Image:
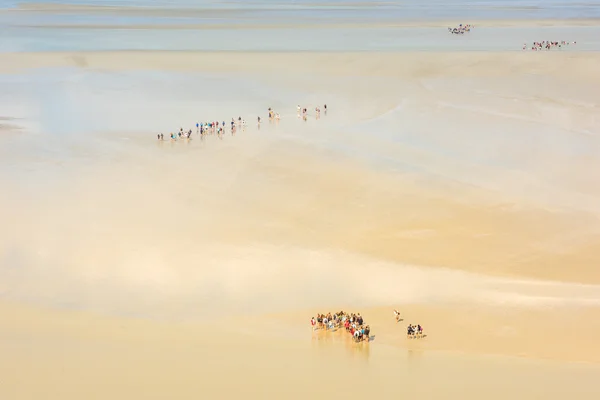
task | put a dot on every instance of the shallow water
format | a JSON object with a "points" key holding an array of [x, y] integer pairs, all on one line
{"points": [[364, 9], [17, 39], [136, 102], [28, 30]]}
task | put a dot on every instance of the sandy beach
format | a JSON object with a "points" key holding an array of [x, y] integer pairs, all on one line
{"points": [[458, 186]]}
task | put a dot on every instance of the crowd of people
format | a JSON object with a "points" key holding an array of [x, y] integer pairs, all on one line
{"points": [[206, 128], [547, 45], [354, 324], [461, 29], [220, 127]]}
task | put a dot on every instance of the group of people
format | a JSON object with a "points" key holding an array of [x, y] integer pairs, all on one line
{"points": [[180, 135], [414, 331], [204, 128], [352, 323], [213, 127], [355, 325], [535, 46], [461, 29], [547, 45], [216, 127]]}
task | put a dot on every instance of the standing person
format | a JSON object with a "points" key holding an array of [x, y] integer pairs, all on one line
{"points": [[197, 127]]}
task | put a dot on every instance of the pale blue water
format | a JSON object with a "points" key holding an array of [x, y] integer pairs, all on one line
{"points": [[435, 5], [28, 30], [267, 11], [281, 39]]}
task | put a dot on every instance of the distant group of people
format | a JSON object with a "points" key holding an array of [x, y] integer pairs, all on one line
{"points": [[535, 46], [461, 29], [219, 128], [205, 128], [352, 323], [547, 45]]}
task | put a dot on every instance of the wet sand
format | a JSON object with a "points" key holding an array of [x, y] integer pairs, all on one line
{"points": [[82, 354], [460, 188]]}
